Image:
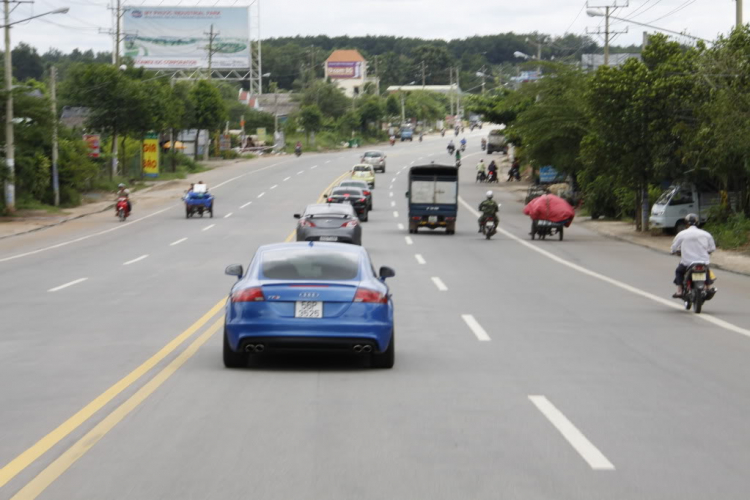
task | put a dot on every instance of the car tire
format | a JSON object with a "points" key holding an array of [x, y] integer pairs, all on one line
{"points": [[387, 358], [233, 359], [369, 209], [365, 216]]}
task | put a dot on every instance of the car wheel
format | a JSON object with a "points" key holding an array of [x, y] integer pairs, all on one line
{"points": [[370, 207], [365, 216], [386, 358], [233, 359]]}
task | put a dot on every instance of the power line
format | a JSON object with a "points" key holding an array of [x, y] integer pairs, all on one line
{"points": [[576, 19], [686, 4]]}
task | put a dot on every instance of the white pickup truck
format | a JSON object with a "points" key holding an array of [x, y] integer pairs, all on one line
{"points": [[677, 201]]}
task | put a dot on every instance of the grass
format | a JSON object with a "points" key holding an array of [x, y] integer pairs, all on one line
{"points": [[32, 204]]}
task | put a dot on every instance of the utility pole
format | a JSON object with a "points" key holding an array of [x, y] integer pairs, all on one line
{"points": [[53, 94], [403, 109], [739, 21], [458, 92], [423, 75], [608, 33], [211, 37], [483, 70], [10, 187], [450, 88], [115, 156]]}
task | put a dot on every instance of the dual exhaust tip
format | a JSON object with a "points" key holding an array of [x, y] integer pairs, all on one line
{"points": [[258, 348], [254, 348], [362, 348]]}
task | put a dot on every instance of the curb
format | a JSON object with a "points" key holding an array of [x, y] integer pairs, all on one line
{"points": [[47, 226], [658, 250]]}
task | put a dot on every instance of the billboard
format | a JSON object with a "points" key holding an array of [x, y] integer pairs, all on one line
{"points": [[344, 69], [150, 156], [93, 140], [179, 37]]}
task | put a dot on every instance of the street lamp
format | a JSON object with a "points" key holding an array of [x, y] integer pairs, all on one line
{"points": [[521, 55], [10, 160]]}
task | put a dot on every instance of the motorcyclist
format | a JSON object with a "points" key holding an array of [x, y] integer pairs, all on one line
{"points": [[420, 136], [458, 156], [123, 192], [298, 148], [694, 245], [492, 171], [484, 143], [515, 170], [463, 143], [393, 139], [451, 147], [489, 208]]}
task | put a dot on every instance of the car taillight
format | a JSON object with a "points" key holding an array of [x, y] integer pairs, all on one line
{"points": [[306, 223], [416, 218], [367, 193], [363, 199], [351, 223], [450, 218], [370, 296], [330, 200], [248, 295]]}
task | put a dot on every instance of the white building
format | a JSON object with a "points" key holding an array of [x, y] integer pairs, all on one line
{"points": [[348, 70]]}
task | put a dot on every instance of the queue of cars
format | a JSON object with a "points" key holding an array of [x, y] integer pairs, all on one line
{"points": [[320, 293]]}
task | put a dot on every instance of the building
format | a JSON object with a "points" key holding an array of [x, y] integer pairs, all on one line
{"points": [[348, 70], [281, 103], [591, 62]]}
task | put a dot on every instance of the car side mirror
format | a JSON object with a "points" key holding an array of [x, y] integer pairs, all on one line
{"points": [[325, 195], [234, 270], [299, 216], [386, 272], [406, 194]]}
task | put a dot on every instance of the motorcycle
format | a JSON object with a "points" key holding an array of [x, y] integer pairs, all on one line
{"points": [[442, 133], [420, 137], [484, 145], [481, 176], [122, 208], [393, 141], [695, 289], [456, 131], [451, 150], [514, 174], [298, 151], [463, 147], [492, 176], [458, 163], [490, 227]]}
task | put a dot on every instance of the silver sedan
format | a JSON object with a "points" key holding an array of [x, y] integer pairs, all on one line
{"points": [[329, 222]]}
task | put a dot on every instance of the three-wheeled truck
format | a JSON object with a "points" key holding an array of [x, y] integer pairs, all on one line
{"points": [[433, 197]]}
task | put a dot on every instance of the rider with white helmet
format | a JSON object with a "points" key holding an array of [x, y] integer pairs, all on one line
{"points": [[489, 208]]}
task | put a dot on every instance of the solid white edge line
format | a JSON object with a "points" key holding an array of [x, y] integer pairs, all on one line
{"points": [[228, 215], [400, 227], [637, 291], [208, 227], [439, 284], [134, 260], [395, 214], [66, 285], [177, 242], [408, 240], [246, 204], [286, 179], [570, 432], [476, 328], [274, 186], [261, 194], [420, 259]]}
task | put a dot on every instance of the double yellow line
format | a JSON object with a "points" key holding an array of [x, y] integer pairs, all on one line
{"points": [[37, 485]]}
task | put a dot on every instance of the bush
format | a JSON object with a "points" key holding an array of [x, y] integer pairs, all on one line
{"points": [[734, 232], [69, 197], [33, 176], [229, 154]]}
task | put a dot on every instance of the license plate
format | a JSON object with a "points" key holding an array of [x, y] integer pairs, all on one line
{"points": [[308, 309], [432, 218], [490, 225], [329, 238], [699, 276]]}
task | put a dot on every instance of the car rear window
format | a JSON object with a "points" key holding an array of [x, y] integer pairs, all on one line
{"points": [[349, 191], [356, 184], [362, 169], [310, 264], [372, 154], [329, 210]]}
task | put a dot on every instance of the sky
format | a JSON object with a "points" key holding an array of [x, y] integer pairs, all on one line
{"points": [[444, 19]]}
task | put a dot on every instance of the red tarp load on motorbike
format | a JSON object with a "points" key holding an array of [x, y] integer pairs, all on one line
{"points": [[550, 207]]}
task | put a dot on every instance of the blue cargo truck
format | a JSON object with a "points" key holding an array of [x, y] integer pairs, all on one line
{"points": [[433, 197], [407, 134]]}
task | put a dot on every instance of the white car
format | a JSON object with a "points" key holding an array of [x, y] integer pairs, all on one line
{"points": [[376, 159]]}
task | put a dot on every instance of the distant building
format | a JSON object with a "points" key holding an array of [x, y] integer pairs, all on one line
{"points": [[75, 116], [281, 103], [441, 89], [592, 62], [348, 70]]}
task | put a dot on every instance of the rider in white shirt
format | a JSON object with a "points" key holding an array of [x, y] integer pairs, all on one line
{"points": [[694, 246]]}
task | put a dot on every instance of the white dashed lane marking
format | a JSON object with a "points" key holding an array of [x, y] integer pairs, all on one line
{"points": [[228, 215], [475, 327], [177, 242], [395, 214], [408, 240], [286, 178], [314, 166], [261, 194], [66, 285], [439, 284], [274, 186], [208, 227], [246, 204], [300, 172], [400, 227], [393, 203], [134, 260], [420, 259]]}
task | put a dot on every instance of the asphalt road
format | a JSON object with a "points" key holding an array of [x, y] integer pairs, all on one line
{"points": [[524, 370]]}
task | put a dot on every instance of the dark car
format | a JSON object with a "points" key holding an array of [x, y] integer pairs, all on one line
{"points": [[376, 159], [359, 185], [329, 222], [354, 196]]}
